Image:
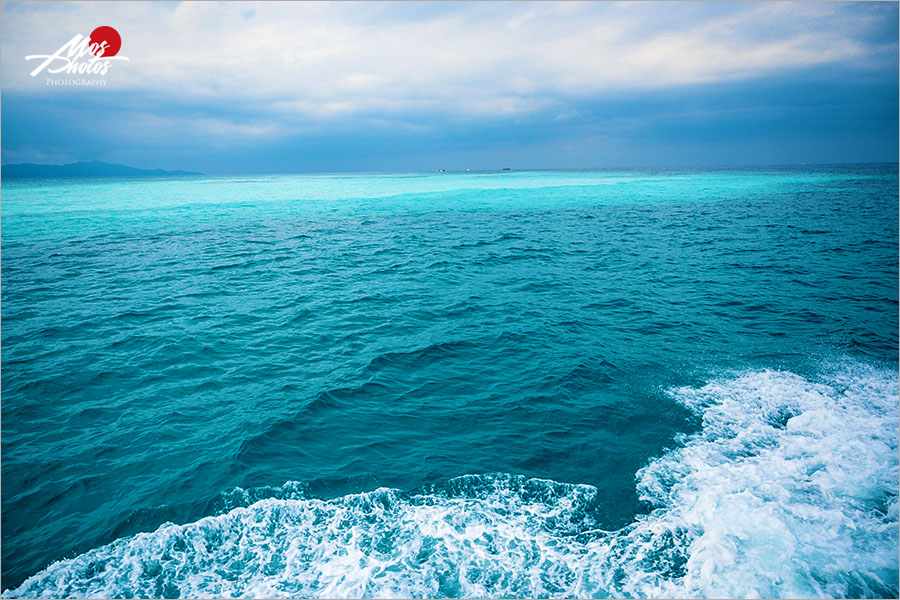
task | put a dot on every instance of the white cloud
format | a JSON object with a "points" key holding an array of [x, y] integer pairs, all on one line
{"points": [[326, 60]]}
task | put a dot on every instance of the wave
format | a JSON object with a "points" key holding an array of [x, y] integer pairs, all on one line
{"points": [[788, 489]]}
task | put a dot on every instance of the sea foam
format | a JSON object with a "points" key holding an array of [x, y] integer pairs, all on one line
{"points": [[788, 489]]}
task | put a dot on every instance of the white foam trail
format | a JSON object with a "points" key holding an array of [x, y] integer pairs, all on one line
{"points": [[789, 489]]}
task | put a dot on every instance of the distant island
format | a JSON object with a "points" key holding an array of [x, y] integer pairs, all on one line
{"points": [[92, 168]]}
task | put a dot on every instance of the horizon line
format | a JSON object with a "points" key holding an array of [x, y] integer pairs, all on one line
{"points": [[438, 170]]}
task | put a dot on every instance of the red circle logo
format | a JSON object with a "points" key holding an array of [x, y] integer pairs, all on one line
{"points": [[110, 36]]}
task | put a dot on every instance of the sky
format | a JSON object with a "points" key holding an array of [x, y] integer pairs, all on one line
{"points": [[281, 87]]}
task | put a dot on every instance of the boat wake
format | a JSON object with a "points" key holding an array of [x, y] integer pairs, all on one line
{"points": [[788, 489]]}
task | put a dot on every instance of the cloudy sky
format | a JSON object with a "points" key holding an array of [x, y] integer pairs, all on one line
{"points": [[286, 87]]}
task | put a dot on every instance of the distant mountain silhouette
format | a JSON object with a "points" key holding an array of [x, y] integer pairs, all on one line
{"points": [[93, 168]]}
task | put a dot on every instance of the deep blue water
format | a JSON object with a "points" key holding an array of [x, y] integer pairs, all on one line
{"points": [[533, 384]]}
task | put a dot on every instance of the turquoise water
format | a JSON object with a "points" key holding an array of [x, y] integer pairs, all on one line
{"points": [[643, 383]]}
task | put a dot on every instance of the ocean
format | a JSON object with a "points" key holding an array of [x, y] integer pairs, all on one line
{"points": [[676, 383]]}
